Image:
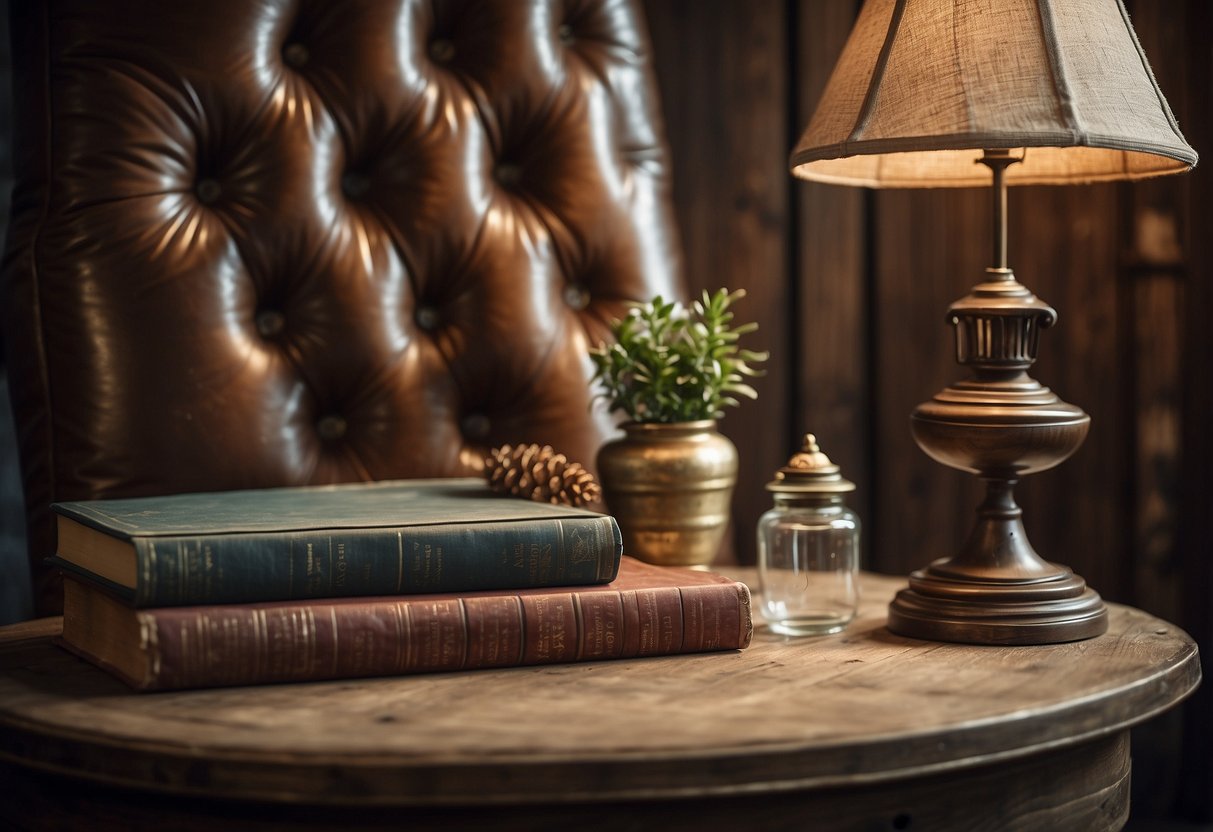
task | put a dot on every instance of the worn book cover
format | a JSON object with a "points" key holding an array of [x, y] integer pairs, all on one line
{"points": [[399, 537], [647, 611]]}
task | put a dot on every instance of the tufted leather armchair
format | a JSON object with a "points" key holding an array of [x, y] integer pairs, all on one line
{"points": [[281, 243]]}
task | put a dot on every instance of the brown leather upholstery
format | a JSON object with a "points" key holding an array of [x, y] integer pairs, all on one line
{"points": [[270, 243]]}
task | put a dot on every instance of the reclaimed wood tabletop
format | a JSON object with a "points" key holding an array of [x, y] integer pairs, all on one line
{"points": [[861, 724]]}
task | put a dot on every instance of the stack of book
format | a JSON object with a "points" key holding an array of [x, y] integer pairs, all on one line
{"points": [[370, 579]]}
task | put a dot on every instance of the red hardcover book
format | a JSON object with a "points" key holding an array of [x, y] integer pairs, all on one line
{"points": [[647, 611]]}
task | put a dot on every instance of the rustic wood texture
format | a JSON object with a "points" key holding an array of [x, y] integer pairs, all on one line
{"points": [[829, 278], [863, 710], [1065, 243], [930, 248], [1154, 230], [731, 188], [1194, 107], [1020, 795], [867, 277]]}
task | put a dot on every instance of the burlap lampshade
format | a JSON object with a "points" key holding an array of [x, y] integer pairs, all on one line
{"points": [[923, 86]]}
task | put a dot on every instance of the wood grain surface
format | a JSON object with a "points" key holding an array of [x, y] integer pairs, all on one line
{"points": [[731, 199], [859, 708], [829, 281]]}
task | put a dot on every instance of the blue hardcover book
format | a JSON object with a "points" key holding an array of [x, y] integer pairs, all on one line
{"points": [[385, 538]]}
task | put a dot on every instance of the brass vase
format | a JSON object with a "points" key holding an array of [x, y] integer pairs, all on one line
{"points": [[670, 487]]}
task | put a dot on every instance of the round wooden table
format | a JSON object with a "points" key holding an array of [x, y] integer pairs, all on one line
{"points": [[863, 730]]}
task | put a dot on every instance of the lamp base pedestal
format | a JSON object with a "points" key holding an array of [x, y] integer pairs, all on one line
{"points": [[997, 589], [1032, 611]]}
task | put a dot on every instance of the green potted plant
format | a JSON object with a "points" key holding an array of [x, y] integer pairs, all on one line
{"points": [[672, 371]]}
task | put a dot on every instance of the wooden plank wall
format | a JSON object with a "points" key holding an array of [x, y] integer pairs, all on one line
{"points": [[1192, 561], [850, 287], [724, 95]]}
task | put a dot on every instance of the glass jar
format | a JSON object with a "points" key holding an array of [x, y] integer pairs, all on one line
{"points": [[808, 548]]}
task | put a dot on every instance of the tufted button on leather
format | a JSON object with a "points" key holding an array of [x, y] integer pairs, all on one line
{"points": [[565, 33], [296, 55], [508, 174], [208, 191], [270, 323], [355, 185], [427, 318], [331, 428], [576, 296], [442, 50], [475, 426]]}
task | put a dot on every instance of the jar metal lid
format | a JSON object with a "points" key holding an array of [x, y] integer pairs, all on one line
{"points": [[810, 472]]}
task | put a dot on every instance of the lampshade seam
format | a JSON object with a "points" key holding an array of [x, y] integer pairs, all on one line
{"points": [[1061, 88], [1145, 64], [882, 62]]}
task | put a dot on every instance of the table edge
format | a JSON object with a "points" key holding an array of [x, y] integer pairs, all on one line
{"points": [[306, 779]]}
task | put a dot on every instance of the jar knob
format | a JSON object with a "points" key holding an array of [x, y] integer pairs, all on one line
{"points": [[810, 457]]}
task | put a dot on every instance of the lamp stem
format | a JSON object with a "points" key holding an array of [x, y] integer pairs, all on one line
{"points": [[1000, 216], [998, 161]]}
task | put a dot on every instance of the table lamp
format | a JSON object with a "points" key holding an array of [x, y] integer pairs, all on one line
{"points": [[961, 93]]}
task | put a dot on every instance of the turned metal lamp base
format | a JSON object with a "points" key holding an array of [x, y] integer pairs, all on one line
{"points": [[1016, 598], [978, 612], [1000, 424]]}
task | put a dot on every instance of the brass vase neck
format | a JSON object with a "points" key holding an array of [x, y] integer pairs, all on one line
{"points": [[664, 431]]}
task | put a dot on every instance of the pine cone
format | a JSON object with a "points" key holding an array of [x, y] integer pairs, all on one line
{"points": [[541, 474]]}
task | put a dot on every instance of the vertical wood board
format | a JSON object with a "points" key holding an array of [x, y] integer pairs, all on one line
{"points": [[829, 280], [722, 70]]}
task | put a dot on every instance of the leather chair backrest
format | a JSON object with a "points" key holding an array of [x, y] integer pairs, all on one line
{"points": [[281, 243]]}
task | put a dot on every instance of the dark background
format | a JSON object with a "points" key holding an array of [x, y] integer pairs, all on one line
{"points": [[850, 286], [15, 603]]}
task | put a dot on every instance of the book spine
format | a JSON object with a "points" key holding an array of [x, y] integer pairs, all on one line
{"points": [[240, 568], [218, 646]]}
